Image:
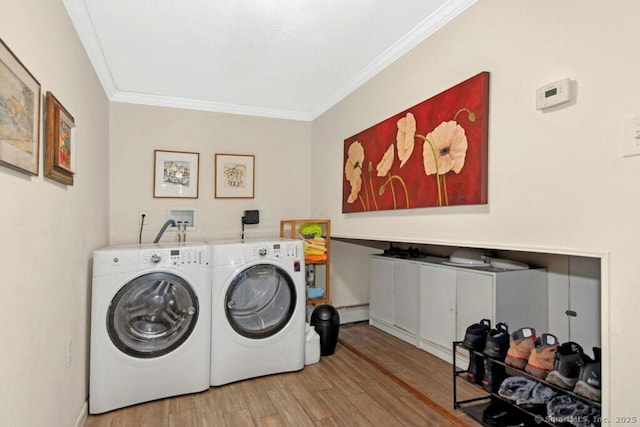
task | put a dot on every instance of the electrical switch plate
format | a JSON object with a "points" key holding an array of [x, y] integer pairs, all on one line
{"points": [[631, 136], [553, 94]]}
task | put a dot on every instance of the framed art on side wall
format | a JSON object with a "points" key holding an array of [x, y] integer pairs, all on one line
{"points": [[59, 143], [19, 114], [176, 174], [234, 176]]}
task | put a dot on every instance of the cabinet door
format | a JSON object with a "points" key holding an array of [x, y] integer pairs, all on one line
{"points": [[474, 296], [521, 299], [381, 304], [437, 305], [406, 282], [584, 300]]}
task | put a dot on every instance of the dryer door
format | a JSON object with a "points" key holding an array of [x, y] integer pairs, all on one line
{"points": [[260, 301], [152, 315]]}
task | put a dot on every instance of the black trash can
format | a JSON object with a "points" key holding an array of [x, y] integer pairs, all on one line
{"points": [[326, 320]]}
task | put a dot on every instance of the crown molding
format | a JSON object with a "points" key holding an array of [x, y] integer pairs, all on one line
{"points": [[216, 107], [84, 27], [421, 32]]}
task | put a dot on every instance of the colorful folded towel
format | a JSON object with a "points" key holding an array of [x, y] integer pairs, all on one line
{"points": [[315, 292]]}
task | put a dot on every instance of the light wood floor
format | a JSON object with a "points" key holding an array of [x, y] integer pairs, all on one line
{"points": [[373, 379]]}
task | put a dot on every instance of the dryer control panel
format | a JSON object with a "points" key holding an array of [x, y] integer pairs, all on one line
{"points": [[278, 250]]}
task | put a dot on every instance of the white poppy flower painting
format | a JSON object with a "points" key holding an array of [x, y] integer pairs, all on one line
{"points": [[432, 154]]}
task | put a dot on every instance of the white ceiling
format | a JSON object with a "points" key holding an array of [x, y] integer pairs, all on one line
{"points": [[289, 59]]}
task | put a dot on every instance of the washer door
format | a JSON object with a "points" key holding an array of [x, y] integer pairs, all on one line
{"points": [[260, 301], [152, 315]]}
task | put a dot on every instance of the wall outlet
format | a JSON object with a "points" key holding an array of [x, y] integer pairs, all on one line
{"points": [[146, 217]]}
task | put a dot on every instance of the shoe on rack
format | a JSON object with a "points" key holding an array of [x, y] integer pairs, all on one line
{"points": [[566, 410], [517, 389], [588, 384], [495, 348], [497, 344], [540, 395], [525, 392], [502, 414], [475, 338], [516, 418], [569, 359], [495, 413], [521, 343], [542, 356]]}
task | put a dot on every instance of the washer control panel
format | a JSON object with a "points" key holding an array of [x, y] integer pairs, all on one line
{"points": [[176, 257]]}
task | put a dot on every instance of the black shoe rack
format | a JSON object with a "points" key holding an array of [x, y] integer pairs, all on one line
{"points": [[476, 406]]}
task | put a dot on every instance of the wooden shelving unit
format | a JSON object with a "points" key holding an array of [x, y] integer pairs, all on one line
{"points": [[290, 228]]}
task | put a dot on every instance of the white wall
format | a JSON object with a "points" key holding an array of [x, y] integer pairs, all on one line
{"points": [[49, 231], [350, 271], [282, 174], [557, 180]]}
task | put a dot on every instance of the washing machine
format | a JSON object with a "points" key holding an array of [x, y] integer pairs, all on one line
{"points": [[150, 323], [258, 309]]}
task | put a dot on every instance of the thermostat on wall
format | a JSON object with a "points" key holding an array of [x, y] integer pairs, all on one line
{"points": [[553, 94]]}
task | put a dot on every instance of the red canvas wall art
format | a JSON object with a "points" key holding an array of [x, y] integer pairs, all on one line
{"points": [[432, 154]]}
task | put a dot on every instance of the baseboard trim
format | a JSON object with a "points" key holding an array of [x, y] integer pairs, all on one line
{"points": [[354, 313], [82, 416]]}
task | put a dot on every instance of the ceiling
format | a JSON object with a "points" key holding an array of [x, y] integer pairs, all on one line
{"points": [[272, 58]]}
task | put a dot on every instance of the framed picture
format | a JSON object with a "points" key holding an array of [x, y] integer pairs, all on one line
{"points": [[234, 176], [59, 142], [19, 114], [433, 154], [175, 174]]}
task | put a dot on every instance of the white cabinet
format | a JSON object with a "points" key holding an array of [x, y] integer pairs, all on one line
{"points": [[381, 306], [437, 306], [474, 300], [431, 304], [406, 291], [452, 298], [584, 302], [394, 304]]}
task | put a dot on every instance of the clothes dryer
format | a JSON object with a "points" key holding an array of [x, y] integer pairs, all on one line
{"points": [[258, 309], [150, 323]]}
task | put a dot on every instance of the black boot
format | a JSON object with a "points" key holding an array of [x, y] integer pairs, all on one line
{"points": [[588, 384], [474, 340], [495, 348]]}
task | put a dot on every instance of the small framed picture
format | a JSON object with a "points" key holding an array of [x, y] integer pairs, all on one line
{"points": [[59, 143], [175, 174], [234, 176], [19, 114]]}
